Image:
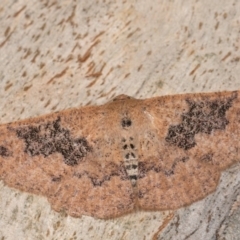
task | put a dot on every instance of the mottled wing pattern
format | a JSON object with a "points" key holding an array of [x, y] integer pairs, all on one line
{"points": [[154, 154], [72, 158], [190, 139]]}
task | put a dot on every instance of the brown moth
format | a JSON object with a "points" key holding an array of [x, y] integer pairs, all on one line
{"points": [[104, 161]]}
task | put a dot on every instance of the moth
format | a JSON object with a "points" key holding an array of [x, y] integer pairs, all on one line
{"points": [[104, 161]]}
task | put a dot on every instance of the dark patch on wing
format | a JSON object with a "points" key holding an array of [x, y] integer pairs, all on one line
{"points": [[57, 178], [4, 152], [126, 122], [202, 117], [50, 138], [207, 158]]}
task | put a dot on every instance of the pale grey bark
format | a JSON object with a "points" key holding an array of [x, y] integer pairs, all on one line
{"points": [[62, 54]]}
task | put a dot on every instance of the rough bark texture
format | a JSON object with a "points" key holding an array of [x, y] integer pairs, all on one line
{"points": [[61, 54]]}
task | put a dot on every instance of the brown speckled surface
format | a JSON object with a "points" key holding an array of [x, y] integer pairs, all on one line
{"points": [[128, 154], [61, 54]]}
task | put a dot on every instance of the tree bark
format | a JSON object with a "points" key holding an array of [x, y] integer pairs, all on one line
{"points": [[61, 54]]}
